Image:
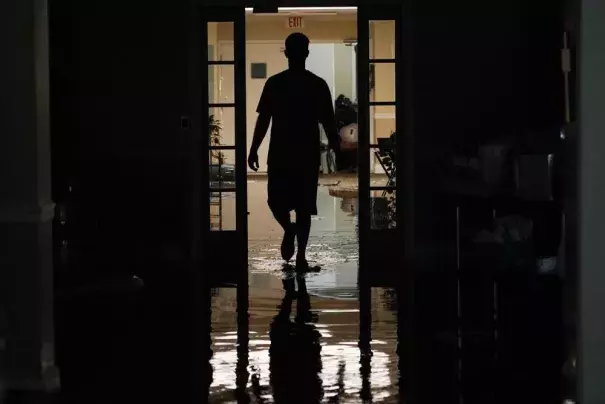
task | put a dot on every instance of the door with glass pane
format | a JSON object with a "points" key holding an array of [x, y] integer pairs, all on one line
{"points": [[224, 143], [378, 55]]}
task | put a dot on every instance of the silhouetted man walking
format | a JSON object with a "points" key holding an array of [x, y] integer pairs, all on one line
{"points": [[295, 101]]}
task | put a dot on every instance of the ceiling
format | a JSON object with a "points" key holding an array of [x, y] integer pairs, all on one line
{"points": [[315, 14]]}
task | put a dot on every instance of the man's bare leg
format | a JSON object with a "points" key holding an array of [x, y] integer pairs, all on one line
{"points": [[287, 245], [303, 228]]}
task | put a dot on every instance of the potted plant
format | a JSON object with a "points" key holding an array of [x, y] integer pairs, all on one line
{"points": [[214, 134]]}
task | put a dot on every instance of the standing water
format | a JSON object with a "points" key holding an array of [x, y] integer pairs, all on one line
{"points": [[304, 347]]}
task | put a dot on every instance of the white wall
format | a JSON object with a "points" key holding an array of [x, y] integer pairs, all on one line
{"points": [[272, 55], [334, 63], [321, 62], [344, 70]]}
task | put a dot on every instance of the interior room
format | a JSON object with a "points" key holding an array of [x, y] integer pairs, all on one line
{"points": [[139, 259], [333, 249]]}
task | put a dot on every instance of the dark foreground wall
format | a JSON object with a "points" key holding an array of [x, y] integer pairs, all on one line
{"points": [[479, 71], [119, 85], [119, 88]]}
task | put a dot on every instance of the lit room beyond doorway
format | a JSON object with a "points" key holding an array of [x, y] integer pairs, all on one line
{"points": [[331, 283]]}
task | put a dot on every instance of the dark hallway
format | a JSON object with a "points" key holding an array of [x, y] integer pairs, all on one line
{"points": [[114, 287]]}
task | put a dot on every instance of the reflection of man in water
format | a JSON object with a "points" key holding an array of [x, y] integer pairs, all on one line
{"points": [[295, 101], [295, 352]]}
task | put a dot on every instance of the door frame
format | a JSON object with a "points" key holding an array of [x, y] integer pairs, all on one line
{"points": [[368, 254], [404, 146], [231, 255], [403, 111], [405, 235]]}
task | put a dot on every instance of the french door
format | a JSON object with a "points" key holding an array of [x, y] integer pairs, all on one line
{"points": [[224, 153], [379, 122], [224, 221]]}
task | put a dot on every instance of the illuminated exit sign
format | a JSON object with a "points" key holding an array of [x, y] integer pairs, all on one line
{"points": [[295, 22]]}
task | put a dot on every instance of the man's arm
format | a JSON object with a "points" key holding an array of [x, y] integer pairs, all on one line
{"points": [[328, 120], [265, 110], [331, 133], [260, 131]]}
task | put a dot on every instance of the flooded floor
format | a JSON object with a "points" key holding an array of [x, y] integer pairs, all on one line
{"points": [[304, 347], [322, 337]]}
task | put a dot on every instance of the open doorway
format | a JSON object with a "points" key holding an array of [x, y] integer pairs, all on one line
{"points": [[333, 243], [335, 299], [334, 58], [333, 248]]}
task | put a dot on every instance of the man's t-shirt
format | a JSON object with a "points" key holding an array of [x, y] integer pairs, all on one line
{"points": [[297, 102]]}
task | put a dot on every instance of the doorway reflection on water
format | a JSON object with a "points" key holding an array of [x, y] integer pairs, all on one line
{"points": [[304, 346], [305, 350]]}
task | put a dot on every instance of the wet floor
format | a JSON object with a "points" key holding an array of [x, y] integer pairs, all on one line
{"points": [[312, 339], [304, 347]]}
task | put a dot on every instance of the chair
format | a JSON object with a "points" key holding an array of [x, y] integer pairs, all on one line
{"points": [[386, 150]]}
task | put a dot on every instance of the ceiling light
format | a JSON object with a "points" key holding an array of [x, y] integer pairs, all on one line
{"points": [[310, 9]]}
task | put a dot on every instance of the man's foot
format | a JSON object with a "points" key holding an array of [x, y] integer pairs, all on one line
{"points": [[301, 264], [287, 244]]}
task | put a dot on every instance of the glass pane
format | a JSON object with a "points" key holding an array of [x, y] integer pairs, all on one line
{"points": [[222, 211], [382, 123], [222, 168], [211, 79], [382, 82], [221, 90], [378, 176], [383, 166], [222, 126], [382, 39], [218, 33], [382, 137]]}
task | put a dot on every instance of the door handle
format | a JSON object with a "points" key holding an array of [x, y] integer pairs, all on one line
{"points": [[185, 123]]}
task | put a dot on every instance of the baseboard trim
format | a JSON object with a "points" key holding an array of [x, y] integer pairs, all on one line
{"points": [[28, 214], [48, 382]]}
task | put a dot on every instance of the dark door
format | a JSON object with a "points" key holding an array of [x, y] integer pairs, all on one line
{"points": [[380, 97], [224, 222]]}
